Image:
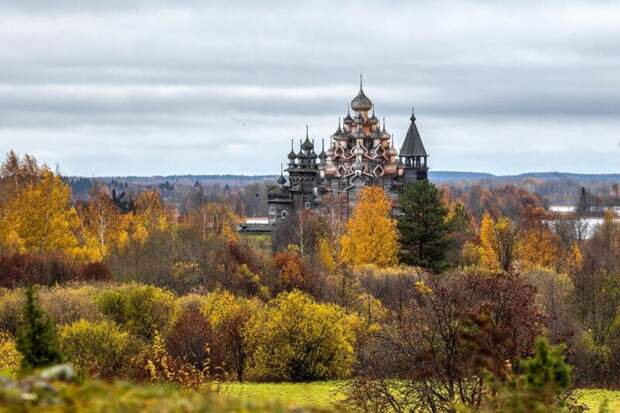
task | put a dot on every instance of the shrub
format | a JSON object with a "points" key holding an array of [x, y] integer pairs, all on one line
{"points": [[140, 309], [192, 338], [11, 303], [229, 314], [540, 388], [65, 305], [10, 358], [99, 348], [297, 339], [161, 366], [36, 335], [18, 270]]}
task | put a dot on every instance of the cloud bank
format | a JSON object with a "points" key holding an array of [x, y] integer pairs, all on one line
{"points": [[169, 87]]}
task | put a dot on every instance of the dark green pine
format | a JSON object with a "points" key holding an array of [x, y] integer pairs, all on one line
{"points": [[36, 336], [423, 227]]}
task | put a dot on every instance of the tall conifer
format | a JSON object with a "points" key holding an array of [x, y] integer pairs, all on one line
{"points": [[423, 227], [36, 336]]}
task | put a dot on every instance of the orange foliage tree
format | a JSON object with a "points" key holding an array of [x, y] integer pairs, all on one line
{"points": [[538, 245]]}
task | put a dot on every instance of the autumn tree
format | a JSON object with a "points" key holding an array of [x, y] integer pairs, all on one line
{"points": [[103, 224], [150, 216], [302, 229], [498, 243], [431, 351], [295, 338], [424, 227], [597, 281], [228, 314], [41, 219], [214, 219], [538, 245], [370, 236]]}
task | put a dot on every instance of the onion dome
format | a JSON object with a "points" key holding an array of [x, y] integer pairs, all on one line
{"points": [[338, 131], [361, 101], [384, 132], [281, 180], [307, 145], [291, 154], [300, 154], [323, 155], [312, 154], [348, 119], [373, 119]]}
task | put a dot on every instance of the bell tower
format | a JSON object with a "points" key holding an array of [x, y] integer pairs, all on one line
{"points": [[413, 155]]}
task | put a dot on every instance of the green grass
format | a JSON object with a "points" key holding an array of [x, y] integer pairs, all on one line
{"points": [[324, 394], [317, 394], [593, 398], [124, 397]]}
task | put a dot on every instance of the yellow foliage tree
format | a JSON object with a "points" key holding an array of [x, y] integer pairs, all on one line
{"points": [[215, 219], [498, 243], [575, 259], [488, 258], [326, 255], [41, 219], [370, 236], [150, 215], [538, 247], [103, 225]]}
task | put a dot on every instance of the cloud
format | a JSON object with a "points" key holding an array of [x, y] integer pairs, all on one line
{"points": [[205, 87]]}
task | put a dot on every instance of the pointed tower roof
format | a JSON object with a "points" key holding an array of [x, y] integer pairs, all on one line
{"points": [[413, 146], [361, 101]]}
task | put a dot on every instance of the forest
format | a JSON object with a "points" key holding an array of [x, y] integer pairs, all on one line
{"points": [[474, 298]]}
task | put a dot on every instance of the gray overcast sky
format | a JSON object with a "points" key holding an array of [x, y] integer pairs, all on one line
{"points": [[121, 87]]}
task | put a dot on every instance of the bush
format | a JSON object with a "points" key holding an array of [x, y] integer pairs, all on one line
{"points": [[10, 358], [228, 315], [100, 349], [297, 339], [65, 305], [192, 338], [11, 303], [140, 309], [540, 388], [20, 270]]}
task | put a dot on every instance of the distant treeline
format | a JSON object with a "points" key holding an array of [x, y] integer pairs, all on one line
{"points": [[557, 188]]}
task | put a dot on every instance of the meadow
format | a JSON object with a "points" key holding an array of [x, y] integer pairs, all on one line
{"points": [[326, 394]]}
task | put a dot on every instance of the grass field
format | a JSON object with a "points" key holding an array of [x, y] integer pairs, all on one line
{"points": [[324, 394], [594, 398], [317, 394]]}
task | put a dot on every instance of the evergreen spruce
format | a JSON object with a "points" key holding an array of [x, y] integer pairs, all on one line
{"points": [[36, 336], [424, 227]]}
